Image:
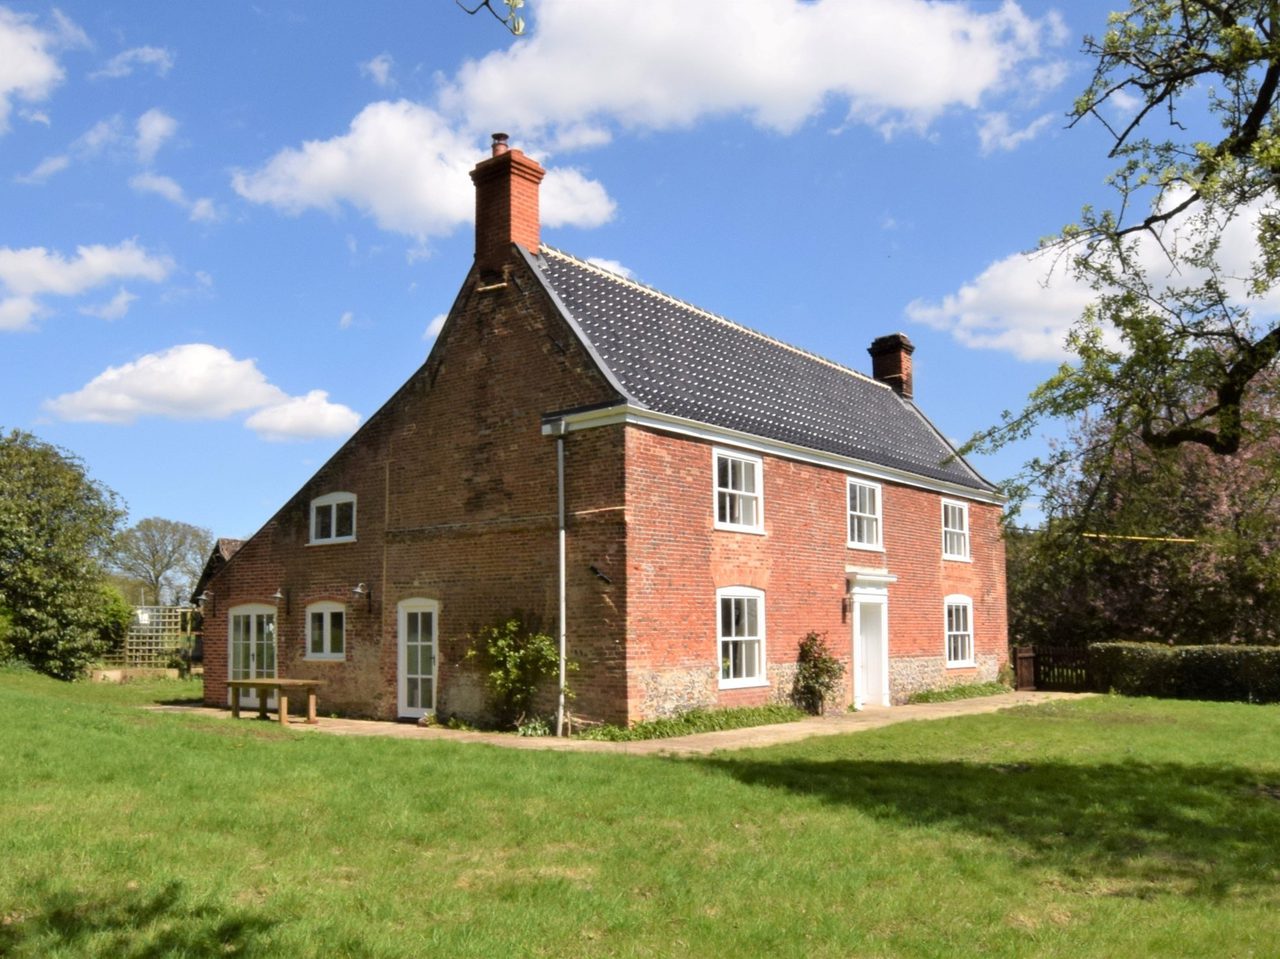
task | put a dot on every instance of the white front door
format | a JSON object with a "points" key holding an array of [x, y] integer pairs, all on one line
{"points": [[251, 648], [870, 648], [417, 625]]}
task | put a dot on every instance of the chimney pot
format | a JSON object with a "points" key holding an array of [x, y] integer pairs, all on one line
{"points": [[500, 144], [891, 362]]}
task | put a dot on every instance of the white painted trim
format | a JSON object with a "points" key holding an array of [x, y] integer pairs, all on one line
{"points": [[416, 605], [863, 599], [755, 461], [959, 599], [332, 500], [249, 697], [850, 483], [666, 423], [967, 555], [326, 607], [742, 592]]}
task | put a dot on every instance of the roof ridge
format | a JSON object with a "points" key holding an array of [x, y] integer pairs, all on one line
{"points": [[645, 288]]}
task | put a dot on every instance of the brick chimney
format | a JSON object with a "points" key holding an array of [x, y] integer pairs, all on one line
{"points": [[506, 205], [891, 362]]}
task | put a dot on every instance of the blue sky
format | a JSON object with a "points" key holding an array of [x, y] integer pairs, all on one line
{"points": [[229, 231]]}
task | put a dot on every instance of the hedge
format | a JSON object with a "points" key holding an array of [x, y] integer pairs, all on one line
{"points": [[1227, 673]]}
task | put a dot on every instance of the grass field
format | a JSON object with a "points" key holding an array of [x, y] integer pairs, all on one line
{"points": [[1107, 827]]}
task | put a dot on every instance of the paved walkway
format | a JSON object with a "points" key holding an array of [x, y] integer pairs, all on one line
{"points": [[701, 744]]}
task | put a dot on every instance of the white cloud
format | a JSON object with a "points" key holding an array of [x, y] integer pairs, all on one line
{"points": [[304, 418], [124, 63], [35, 116], [45, 169], [200, 211], [1025, 304], [613, 266], [1018, 304], [154, 128], [114, 309], [435, 326], [17, 312], [200, 381], [669, 63], [28, 69], [346, 320], [379, 70], [994, 132], [98, 137], [30, 273], [404, 166]]}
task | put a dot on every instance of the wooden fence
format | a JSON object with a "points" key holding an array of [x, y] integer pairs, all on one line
{"points": [[1060, 668], [156, 635]]}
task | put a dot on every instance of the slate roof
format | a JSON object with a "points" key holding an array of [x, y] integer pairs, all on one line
{"points": [[671, 357]]}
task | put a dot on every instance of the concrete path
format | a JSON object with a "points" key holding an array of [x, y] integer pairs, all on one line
{"points": [[701, 744]]}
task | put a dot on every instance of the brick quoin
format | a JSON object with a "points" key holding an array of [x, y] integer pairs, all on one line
{"points": [[455, 486]]}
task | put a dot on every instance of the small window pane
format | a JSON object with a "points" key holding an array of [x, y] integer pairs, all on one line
{"points": [[336, 632], [345, 525], [324, 522]]}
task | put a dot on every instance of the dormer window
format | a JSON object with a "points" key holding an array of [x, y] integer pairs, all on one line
{"points": [[333, 518]]}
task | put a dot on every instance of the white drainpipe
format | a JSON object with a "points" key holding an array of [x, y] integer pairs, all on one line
{"points": [[559, 429]]}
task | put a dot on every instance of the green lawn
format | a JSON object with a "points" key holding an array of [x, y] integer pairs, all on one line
{"points": [[1108, 827]]}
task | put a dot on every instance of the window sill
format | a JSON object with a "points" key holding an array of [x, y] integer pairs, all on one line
{"points": [[331, 542], [971, 665], [727, 528], [743, 683], [866, 547], [317, 658], [957, 559]]}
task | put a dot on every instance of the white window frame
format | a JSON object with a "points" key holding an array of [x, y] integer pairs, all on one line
{"points": [[757, 466], [327, 651], [877, 517], [951, 532], [963, 637], [330, 503], [750, 595]]}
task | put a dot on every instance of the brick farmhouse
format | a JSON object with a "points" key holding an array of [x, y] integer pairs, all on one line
{"points": [[724, 494]]}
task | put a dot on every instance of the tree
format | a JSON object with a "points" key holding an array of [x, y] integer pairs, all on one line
{"points": [[1181, 335], [55, 526], [163, 554], [511, 20], [1176, 545]]}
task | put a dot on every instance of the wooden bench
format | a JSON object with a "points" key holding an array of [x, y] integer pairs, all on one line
{"points": [[281, 687]]}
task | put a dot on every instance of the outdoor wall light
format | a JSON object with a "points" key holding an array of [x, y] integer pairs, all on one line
{"points": [[360, 589], [205, 600], [282, 596]]}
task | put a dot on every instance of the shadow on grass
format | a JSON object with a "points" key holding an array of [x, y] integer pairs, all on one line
{"points": [[133, 925], [1125, 829]]}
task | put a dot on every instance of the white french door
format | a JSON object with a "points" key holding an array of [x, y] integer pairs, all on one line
{"points": [[251, 648], [417, 626]]}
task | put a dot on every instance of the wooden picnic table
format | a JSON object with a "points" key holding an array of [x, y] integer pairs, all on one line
{"points": [[281, 688]]}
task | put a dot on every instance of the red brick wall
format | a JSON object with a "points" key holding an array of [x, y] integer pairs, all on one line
{"points": [[456, 493], [677, 560]]}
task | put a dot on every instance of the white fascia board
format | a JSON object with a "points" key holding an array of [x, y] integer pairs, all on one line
{"points": [[666, 423]]}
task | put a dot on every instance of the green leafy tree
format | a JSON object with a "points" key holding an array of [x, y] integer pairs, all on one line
{"points": [[1180, 335], [164, 555], [55, 526], [1175, 545], [517, 661]]}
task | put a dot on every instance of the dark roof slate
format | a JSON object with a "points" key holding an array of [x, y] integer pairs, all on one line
{"points": [[673, 358]]}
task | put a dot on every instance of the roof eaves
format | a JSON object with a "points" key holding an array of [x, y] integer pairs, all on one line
{"points": [[572, 323], [910, 404]]}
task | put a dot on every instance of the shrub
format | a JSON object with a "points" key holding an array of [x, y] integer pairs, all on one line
{"points": [[817, 673], [1230, 673], [516, 660], [697, 721]]}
